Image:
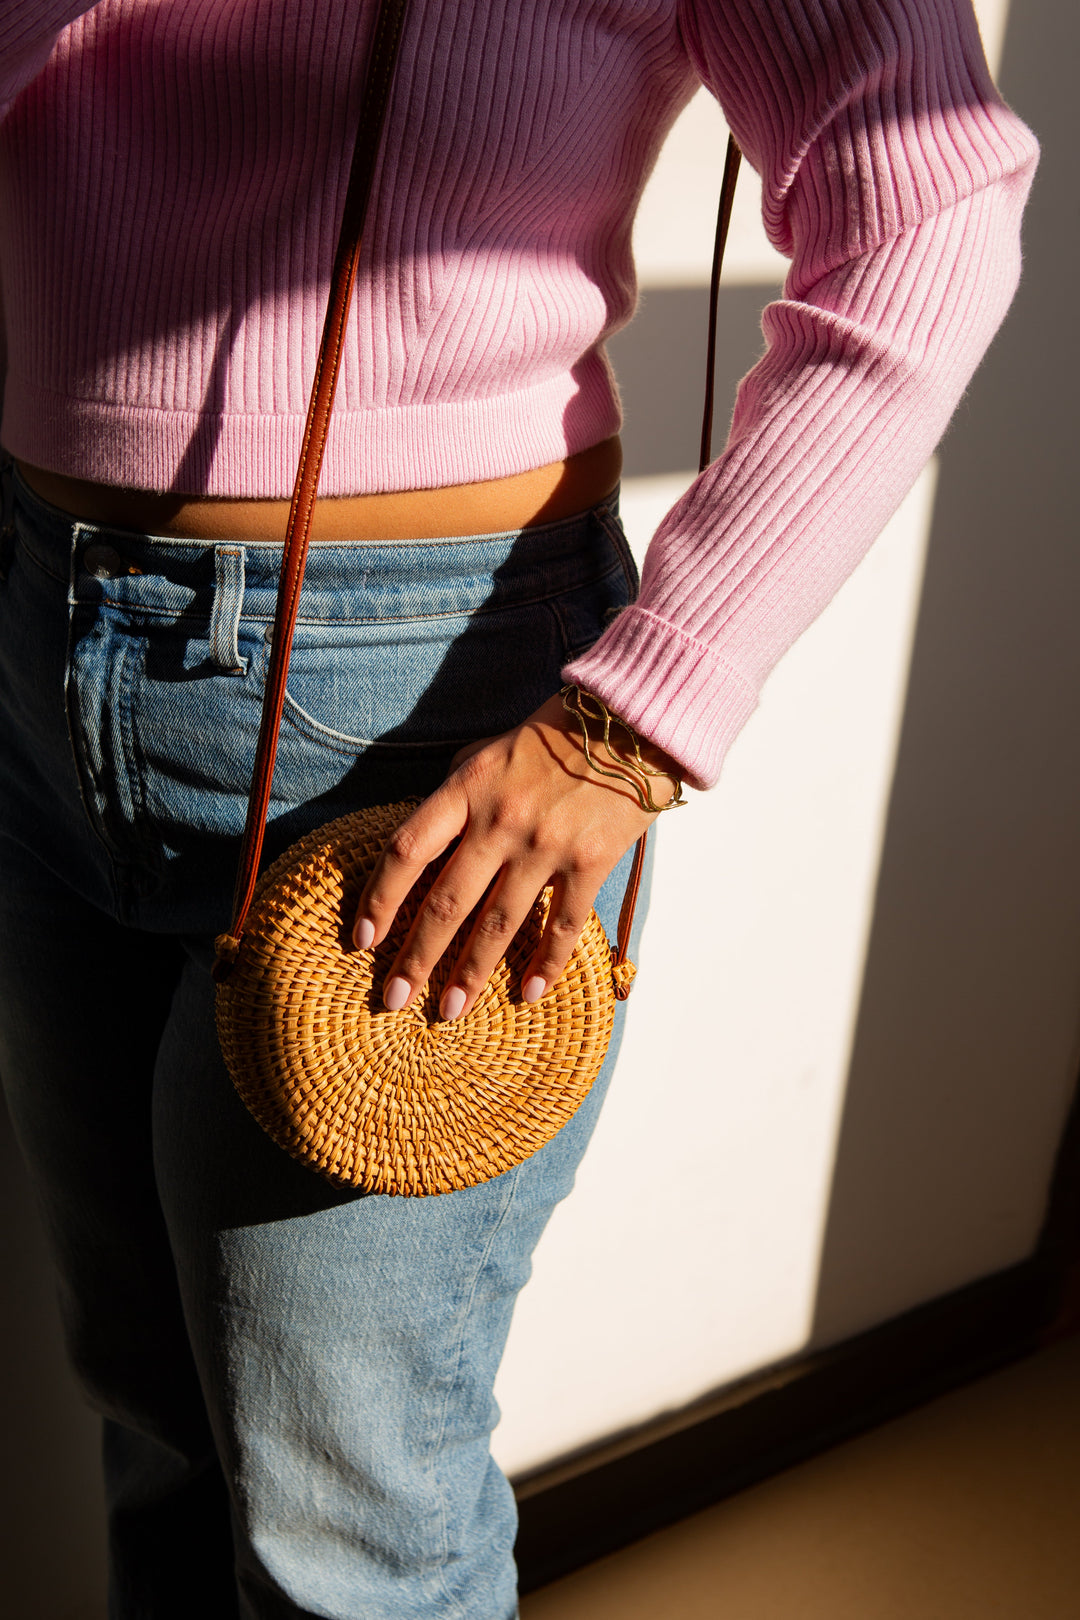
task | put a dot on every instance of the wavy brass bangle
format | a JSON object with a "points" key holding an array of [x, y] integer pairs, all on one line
{"points": [[586, 706]]}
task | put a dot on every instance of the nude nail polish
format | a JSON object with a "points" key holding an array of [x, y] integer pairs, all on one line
{"points": [[396, 993], [363, 933], [533, 988], [453, 1002]]}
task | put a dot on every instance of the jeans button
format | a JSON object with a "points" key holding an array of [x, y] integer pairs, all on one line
{"points": [[104, 562]]}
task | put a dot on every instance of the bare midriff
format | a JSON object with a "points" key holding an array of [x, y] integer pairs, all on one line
{"points": [[545, 494]]}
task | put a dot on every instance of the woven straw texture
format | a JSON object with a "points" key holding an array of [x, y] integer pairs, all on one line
{"points": [[399, 1102]]}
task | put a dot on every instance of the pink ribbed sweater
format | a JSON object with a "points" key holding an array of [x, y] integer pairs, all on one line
{"points": [[170, 178]]}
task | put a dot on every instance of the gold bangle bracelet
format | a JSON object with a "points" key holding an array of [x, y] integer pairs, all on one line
{"points": [[586, 706]]}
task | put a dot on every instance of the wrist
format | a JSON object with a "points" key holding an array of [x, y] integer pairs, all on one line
{"points": [[656, 757], [613, 749]]}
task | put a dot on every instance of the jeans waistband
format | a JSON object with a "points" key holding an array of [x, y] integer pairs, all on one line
{"points": [[361, 580]]}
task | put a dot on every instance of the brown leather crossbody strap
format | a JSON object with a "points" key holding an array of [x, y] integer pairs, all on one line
{"points": [[379, 77], [723, 220], [376, 95]]}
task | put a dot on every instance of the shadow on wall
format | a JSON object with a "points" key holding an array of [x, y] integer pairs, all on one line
{"points": [[978, 904], [660, 364]]}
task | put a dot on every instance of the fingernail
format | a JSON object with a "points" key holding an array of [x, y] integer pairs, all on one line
{"points": [[533, 988], [452, 1002], [363, 933], [396, 993]]}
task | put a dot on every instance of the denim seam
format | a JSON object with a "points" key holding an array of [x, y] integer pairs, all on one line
{"points": [[569, 650], [32, 556], [487, 537], [342, 743], [138, 610], [116, 850], [615, 532], [132, 758], [572, 649], [498, 537], [74, 729], [436, 1452]]}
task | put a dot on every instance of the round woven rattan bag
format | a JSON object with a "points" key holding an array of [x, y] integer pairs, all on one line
{"points": [[399, 1102]]}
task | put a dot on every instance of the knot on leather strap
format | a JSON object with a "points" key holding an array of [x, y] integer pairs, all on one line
{"points": [[623, 975], [226, 952]]}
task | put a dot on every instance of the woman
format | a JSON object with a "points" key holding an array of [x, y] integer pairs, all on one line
{"points": [[297, 1383]]}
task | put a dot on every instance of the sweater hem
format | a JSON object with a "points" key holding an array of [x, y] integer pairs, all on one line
{"points": [[369, 451]]}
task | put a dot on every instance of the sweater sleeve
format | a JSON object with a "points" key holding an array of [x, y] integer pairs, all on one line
{"points": [[894, 179], [28, 31]]}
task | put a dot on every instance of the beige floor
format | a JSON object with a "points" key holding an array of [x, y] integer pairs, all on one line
{"points": [[967, 1509]]}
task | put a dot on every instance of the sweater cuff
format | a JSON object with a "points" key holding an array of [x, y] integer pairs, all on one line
{"points": [[670, 687]]}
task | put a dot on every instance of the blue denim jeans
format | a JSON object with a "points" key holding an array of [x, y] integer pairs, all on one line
{"points": [[296, 1381]]}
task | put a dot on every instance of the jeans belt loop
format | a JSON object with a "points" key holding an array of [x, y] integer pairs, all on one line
{"points": [[228, 605]]}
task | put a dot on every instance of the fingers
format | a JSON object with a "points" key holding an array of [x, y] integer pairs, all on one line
{"points": [[526, 816], [420, 839], [456, 892], [571, 901], [502, 914], [473, 878]]}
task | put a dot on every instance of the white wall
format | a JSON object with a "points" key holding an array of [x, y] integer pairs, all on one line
{"points": [[791, 1151]]}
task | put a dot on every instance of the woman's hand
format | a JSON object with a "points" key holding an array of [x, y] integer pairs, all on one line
{"points": [[529, 811]]}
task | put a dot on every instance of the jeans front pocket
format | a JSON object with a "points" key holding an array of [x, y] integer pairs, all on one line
{"points": [[431, 682], [402, 653], [421, 668]]}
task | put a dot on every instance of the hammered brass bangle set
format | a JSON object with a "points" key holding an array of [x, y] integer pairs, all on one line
{"points": [[590, 711]]}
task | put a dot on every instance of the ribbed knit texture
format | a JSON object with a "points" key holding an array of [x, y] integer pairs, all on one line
{"points": [[171, 174]]}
